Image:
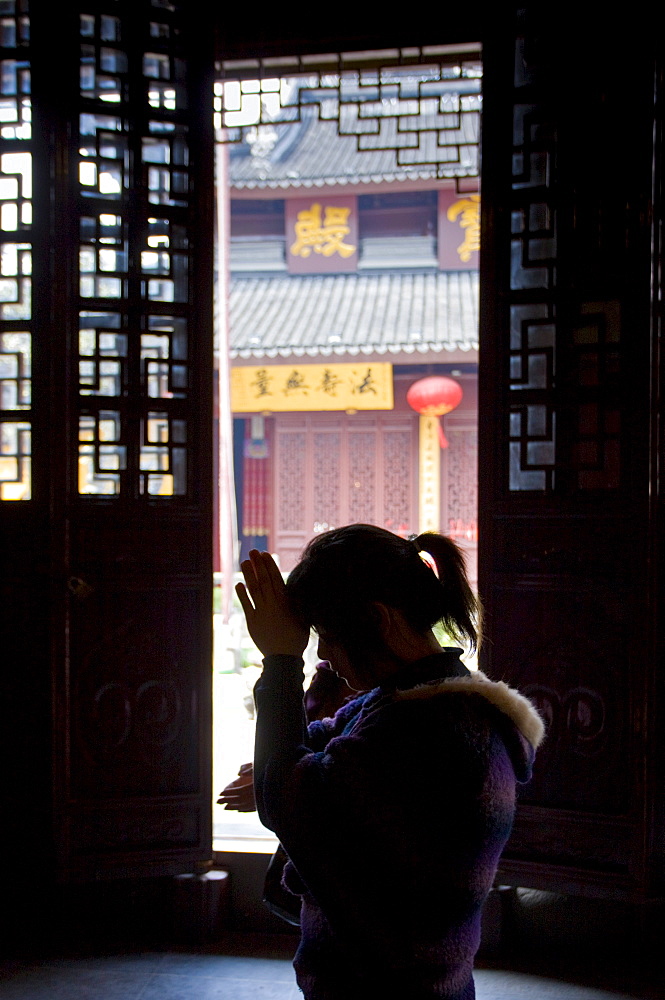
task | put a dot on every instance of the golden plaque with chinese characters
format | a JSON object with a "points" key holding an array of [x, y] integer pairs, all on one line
{"points": [[284, 388], [459, 231], [322, 234]]}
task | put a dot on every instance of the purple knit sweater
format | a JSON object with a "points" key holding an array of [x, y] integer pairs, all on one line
{"points": [[394, 815]]}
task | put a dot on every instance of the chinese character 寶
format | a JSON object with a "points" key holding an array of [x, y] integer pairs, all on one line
{"points": [[468, 209]]}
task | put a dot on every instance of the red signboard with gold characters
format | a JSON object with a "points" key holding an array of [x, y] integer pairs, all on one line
{"points": [[322, 234], [459, 231]]}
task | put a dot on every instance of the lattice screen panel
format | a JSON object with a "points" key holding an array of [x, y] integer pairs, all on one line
{"points": [[15, 253], [106, 375], [421, 105], [554, 378], [134, 270]]}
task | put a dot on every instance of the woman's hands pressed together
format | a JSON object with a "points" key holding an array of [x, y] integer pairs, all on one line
{"points": [[275, 630], [239, 794], [273, 626]]}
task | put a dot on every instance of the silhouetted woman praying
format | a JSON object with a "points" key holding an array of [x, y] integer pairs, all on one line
{"points": [[393, 813]]}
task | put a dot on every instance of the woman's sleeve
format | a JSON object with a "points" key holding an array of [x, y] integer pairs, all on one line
{"points": [[282, 734], [346, 802], [281, 731]]}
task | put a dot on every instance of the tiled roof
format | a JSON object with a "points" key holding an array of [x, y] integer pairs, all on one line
{"points": [[328, 315], [311, 153]]}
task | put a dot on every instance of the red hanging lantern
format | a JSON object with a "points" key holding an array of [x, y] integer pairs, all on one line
{"points": [[435, 396]]}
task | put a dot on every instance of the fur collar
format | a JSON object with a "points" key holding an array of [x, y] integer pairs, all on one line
{"points": [[506, 699]]}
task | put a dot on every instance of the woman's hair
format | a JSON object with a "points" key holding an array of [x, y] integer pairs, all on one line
{"points": [[344, 572]]}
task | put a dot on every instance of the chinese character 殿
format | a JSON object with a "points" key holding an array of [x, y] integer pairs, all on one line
{"points": [[325, 238]]}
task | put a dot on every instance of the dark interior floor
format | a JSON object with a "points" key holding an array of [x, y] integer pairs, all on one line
{"points": [[537, 945], [247, 967]]}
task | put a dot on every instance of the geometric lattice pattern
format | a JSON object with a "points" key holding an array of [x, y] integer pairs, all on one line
{"points": [[421, 108], [164, 367], [556, 373], [133, 346], [291, 475], [163, 456], [362, 476], [330, 472], [102, 354], [397, 511], [532, 360], [164, 262], [532, 455], [102, 452], [103, 257], [326, 475], [15, 255], [531, 416], [15, 446], [462, 486], [15, 370]]}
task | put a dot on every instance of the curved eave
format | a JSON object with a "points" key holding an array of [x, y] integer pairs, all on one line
{"points": [[285, 184]]}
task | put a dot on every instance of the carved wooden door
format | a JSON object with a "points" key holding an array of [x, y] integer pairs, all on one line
{"points": [[568, 471], [331, 470], [111, 530]]}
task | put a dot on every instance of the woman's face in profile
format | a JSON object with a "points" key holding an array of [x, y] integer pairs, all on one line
{"points": [[339, 661]]}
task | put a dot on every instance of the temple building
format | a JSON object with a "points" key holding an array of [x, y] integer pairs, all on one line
{"points": [[354, 276]]}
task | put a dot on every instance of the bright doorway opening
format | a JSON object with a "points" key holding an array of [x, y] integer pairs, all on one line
{"points": [[347, 303]]}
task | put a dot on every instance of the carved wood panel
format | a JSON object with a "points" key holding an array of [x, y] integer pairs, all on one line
{"points": [[564, 489], [125, 195], [362, 476], [137, 729], [459, 489], [332, 469]]}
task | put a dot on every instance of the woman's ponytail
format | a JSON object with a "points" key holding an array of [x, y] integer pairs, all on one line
{"points": [[461, 607], [345, 572]]}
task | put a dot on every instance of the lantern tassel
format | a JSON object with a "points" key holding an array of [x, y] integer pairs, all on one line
{"points": [[443, 440]]}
